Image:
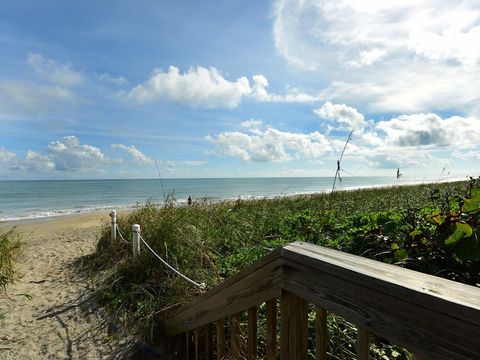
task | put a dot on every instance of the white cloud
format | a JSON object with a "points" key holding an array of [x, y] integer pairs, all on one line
{"points": [[202, 87], [467, 155], [260, 93], [5, 155], [197, 87], [430, 130], [342, 114], [34, 162], [136, 154], [399, 55], [269, 145], [69, 155], [54, 71]]}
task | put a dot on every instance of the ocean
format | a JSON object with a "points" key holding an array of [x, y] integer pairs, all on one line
{"points": [[22, 200]]}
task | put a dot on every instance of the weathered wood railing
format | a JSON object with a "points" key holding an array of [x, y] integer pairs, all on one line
{"points": [[432, 317]]}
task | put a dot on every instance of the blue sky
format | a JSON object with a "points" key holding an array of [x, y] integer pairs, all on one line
{"points": [[118, 89]]}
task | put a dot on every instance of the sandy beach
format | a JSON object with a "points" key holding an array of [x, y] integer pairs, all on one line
{"points": [[49, 314]]}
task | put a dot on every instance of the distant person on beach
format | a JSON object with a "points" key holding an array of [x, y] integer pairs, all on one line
{"points": [[189, 200]]}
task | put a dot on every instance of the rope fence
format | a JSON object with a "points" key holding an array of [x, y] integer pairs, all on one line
{"points": [[137, 239]]}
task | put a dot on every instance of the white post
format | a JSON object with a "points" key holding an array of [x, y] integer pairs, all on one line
{"points": [[136, 239], [113, 225]]}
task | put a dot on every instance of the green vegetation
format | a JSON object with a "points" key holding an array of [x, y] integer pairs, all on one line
{"points": [[433, 229], [10, 246]]}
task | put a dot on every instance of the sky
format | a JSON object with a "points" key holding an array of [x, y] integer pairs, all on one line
{"points": [[179, 89]]}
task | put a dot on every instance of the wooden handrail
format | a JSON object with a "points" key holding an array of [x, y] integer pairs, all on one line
{"points": [[433, 317]]}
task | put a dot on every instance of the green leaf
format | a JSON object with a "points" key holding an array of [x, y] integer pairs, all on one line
{"points": [[461, 230], [394, 246], [400, 255], [472, 205], [415, 233]]}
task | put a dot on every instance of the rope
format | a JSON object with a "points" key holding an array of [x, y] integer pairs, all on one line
{"points": [[121, 235], [202, 285]]}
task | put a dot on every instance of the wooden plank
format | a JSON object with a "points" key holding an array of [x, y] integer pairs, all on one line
{"points": [[321, 333], [252, 334], [235, 336], [271, 346], [251, 289], [363, 344], [294, 327], [220, 325], [418, 320]]}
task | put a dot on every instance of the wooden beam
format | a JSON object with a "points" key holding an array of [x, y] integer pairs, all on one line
{"points": [[252, 334], [321, 333], [294, 327], [433, 317], [271, 346], [250, 288]]}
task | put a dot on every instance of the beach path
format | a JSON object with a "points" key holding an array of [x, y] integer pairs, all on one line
{"points": [[49, 315]]}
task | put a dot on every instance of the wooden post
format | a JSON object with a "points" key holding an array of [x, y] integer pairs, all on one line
{"points": [[321, 333], [294, 327], [235, 336], [363, 344], [113, 225], [220, 324], [252, 333], [136, 239], [271, 330]]}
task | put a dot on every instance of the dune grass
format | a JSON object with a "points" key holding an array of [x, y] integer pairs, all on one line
{"points": [[210, 242], [10, 247]]}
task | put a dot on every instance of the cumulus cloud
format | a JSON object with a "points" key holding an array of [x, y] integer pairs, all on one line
{"points": [[260, 93], [344, 115], [34, 162], [5, 155], [269, 145], [68, 154], [136, 154], [430, 130], [198, 87], [400, 141], [399, 55], [54, 71], [202, 87]]}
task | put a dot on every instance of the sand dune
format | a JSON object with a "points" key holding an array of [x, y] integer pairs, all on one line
{"points": [[57, 319]]}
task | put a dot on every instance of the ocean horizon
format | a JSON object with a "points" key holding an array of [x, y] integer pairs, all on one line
{"points": [[37, 199]]}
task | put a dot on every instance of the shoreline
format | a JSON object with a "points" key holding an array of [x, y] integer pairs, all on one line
{"points": [[88, 214]]}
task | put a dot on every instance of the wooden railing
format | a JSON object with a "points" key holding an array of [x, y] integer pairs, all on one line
{"points": [[432, 317]]}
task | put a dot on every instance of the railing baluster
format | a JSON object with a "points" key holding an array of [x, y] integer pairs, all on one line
{"points": [[197, 344], [235, 340], [188, 350], [252, 333], [294, 327], [271, 329], [208, 341], [220, 324], [321, 333], [363, 344]]}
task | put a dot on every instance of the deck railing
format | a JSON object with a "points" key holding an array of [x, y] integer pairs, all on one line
{"points": [[432, 317]]}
